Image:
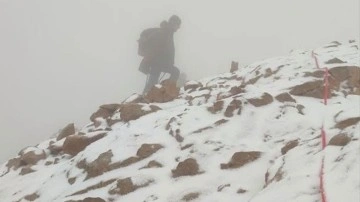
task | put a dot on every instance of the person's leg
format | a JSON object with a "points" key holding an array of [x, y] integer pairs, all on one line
{"points": [[153, 79], [174, 73]]}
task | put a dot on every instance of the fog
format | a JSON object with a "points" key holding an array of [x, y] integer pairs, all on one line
{"points": [[60, 60]]}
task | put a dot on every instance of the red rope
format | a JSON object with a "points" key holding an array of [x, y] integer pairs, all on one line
{"points": [[323, 133]]}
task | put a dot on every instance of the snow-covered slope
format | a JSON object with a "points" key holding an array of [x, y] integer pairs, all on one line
{"points": [[250, 135]]}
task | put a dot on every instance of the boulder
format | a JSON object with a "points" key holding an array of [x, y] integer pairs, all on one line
{"points": [[186, 168], [285, 97], [339, 140], [147, 150], [166, 92], [290, 145], [265, 99], [241, 158], [132, 111], [74, 144], [66, 131]]}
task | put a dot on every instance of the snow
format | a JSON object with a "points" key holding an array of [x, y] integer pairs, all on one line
{"points": [[265, 129]]}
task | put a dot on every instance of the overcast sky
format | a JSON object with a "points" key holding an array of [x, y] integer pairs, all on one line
{"points": [[60, 60]]}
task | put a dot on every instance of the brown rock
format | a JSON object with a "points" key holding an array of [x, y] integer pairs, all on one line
{"points": [[74, 144], [32, 197], [191, 196], [89, 199], [105, 111], [132, 111], [186, 168], [265, 99], [334, 61], [340, 140], [99, 185], [68, 130], [285, 97], [348, 122], [55, 150], [147, 150], [217, 106], [30, 158], [309, 89], [13, 163], [237, 90], [289, 145], [125, 186], [241, 158], [241, 191], [316, 74], [26, 170], [167, 92], [193, 86], [234, 66], [72, 180], [234, 104], [100, 165], [153, 164]]}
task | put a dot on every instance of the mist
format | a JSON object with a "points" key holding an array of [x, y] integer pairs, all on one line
{"points": [[60, 60]]}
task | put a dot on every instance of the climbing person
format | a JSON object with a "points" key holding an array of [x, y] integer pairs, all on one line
{"points": [[156, 46]]}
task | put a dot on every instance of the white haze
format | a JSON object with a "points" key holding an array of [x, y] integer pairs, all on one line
{"points": [[60, 60]]}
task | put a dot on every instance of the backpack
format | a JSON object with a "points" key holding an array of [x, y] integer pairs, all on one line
{"points": [[147, 41]]}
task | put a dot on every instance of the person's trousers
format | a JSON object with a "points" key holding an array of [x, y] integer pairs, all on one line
{"points": [[153, 77]]}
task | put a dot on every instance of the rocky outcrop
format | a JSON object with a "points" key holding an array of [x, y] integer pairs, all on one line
{"points": [[166, 92], [74, 144], [66, 131], [105, 111], [309, 89], [290, 145], [132, 111], [186, 168], [241, 158], [285, 97], [339, 140], [265, 99], [147, 150]]}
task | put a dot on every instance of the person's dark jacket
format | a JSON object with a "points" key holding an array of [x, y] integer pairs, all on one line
{"points": [[163, 49]]}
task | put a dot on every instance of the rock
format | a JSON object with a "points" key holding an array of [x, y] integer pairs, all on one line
{"points": [[265, 99], [125, 186], [350, 74], [154, 164], [167, 92], [241, 158], [237, 90], [55, 150], [72, 180], [105, 111], [31, 197], [186, 168], [193, 86], [89, 199], [133, 111], [340, 140], [31, 158], [241, 191], [309, 89], [68, 130], [74, 144], [100, 165], [289, 145], [191, 196], [234, 105], [26, 170], [334, 61], [285, 97], [217, 106], [348, 122], [147, 150]]}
